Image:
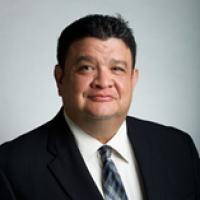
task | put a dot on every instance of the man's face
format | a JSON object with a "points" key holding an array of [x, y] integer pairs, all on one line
{"points": [[98, 79]]}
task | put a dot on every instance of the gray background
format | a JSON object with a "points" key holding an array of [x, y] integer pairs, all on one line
{"points": [[167, 33]]}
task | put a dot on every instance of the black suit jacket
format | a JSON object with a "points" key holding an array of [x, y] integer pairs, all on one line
{"points": [[45, 164]]}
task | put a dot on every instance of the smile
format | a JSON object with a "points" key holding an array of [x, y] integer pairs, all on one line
{"points": [[101, 98]]}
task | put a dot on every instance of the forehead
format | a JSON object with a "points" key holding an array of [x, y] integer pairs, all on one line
{"points": [[111, 48]]}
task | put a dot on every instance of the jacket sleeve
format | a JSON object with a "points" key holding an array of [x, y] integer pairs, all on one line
{"points": [[6, 192]]}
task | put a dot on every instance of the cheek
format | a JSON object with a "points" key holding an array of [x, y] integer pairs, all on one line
{"points": [[80, 85], [124, 87]]}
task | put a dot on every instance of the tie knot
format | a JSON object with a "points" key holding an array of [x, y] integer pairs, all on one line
{"points": [[105, 152]]}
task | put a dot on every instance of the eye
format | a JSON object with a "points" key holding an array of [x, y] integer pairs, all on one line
{"points": [[85, 68], [118, 69]]}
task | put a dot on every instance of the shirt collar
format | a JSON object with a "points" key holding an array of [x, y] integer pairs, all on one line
{"points": [[89, 145], [120, 143]]}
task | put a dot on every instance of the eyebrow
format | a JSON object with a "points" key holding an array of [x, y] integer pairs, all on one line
{"points": [[92, 59], [115, 61], [85, 58]]}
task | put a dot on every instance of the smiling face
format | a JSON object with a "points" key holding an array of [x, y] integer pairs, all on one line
{"points": [[98, 79]]}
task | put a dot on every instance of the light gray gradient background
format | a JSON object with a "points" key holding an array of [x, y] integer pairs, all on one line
{"points": [[167, 34]]}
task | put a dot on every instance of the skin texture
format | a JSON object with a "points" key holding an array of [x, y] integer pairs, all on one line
{"points": [[96, 85]]}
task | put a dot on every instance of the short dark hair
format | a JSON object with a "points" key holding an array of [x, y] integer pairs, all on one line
{"points": [[98, 26]]}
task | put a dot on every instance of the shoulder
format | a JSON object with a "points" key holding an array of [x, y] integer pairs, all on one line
{"points": [[166, 148], [27, 145], [153, 127], [159, 133], [170, 144], [28, 137]]}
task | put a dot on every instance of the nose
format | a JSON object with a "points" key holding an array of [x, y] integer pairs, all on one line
{"points": [[102, 80]]}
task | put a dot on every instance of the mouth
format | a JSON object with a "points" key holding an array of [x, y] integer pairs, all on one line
{"points": [[101, 98]]}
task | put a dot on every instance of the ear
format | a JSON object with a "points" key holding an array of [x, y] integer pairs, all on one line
{"points": [[135, 76], [58, 74]]}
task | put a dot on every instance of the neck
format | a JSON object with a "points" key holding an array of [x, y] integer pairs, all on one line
{"points": [[101, 129]]}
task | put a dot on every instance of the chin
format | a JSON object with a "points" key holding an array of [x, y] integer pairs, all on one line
{"points": [[105, 116], [102, 117]]}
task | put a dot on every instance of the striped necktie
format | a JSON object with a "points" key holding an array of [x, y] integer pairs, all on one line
{"points": [[112, 185]]}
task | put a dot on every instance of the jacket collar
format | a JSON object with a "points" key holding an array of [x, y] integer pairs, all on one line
{"points": [[149, 158], [67, 165]]}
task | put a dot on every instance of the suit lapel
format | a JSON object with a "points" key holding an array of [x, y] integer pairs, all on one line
{"points": [[67, 165], [70, 171], [149, 159]]}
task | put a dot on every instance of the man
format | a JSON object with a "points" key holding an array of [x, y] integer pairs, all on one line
{"points": [[91, 149]]}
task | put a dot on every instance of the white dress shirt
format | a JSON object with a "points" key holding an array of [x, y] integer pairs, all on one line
{"points": [[122, 156]]}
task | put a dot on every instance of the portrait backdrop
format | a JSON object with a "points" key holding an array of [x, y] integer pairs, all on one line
{"points": [[167, 35]]}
